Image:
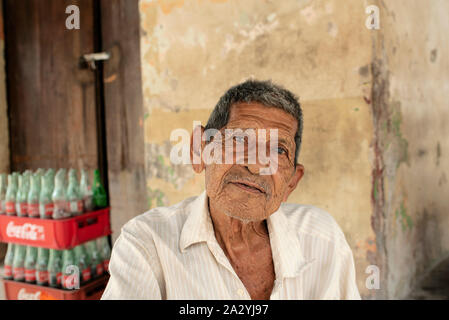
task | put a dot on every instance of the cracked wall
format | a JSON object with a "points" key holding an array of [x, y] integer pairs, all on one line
{"points": [[410, 112], [374, 110], [193, 51]]}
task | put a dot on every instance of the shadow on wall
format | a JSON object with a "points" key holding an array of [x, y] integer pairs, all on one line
{"points": [[435, 285]]}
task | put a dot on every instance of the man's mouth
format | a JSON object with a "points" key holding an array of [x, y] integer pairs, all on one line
{"points": [[249, 186]]}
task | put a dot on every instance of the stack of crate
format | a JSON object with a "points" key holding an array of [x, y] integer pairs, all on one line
{"points": [[55, 234]]}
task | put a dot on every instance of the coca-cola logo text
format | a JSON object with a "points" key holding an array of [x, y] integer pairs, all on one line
{"points": [[27, 231], [24, 295]]}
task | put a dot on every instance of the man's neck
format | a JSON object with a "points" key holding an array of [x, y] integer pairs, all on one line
{"points": [[247, 247], [236, 236]]}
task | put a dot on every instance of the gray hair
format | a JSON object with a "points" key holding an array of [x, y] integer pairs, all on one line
{"points": [[263, 92]]}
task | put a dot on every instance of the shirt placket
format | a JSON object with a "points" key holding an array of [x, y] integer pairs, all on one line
{"points": [[238, 290]]}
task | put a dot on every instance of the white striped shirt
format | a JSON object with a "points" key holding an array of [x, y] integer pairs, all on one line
{"points": [[172, 253]]}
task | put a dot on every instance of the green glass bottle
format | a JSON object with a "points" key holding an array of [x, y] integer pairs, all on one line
{"points": [[105, 252], [99, 193], [74, 199], [83, 263], [11, 194], [95, 259], [22, 195], [18, 266], [42, 266], [30, 264], [70, 278], [8, 263], [54, 268], [33, 196], [59, 196], [50, 173], [45, 198], [86, 192]]}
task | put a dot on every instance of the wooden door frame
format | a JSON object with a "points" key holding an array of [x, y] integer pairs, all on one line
{"points": [[123, 100]]}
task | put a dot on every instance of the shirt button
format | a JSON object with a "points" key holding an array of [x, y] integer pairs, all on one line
{"points": [[240, 292]]}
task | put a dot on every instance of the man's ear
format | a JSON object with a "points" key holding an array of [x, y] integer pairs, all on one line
{"points": [[196, 149], [294, 180]]}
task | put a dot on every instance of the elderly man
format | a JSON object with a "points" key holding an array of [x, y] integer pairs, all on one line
{"points": [[239, 239]]}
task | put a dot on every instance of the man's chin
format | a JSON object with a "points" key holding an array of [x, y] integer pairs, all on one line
{"points": [[243, 210], [244, 217], [241, 205]]}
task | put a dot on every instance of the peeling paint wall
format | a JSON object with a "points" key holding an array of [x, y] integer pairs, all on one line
{"points": [[411, 112], [193, 51], [375, 109]]}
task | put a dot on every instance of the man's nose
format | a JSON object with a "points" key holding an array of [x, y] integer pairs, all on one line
{"points": [[254, 163], [253, 168]]}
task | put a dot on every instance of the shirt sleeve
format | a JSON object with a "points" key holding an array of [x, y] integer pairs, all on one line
{"points": [[348, 285], [131, 274]]}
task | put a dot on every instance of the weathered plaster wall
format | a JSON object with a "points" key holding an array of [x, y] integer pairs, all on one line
{"points": [[411, 109], [192, 51]]}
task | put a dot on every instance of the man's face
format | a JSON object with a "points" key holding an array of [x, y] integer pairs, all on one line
{"points": [[239, 190]]}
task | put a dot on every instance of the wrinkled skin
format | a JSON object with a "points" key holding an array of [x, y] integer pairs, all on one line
{"points": [[240, 199]]}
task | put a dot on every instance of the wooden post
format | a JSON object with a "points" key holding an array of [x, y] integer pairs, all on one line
{"points": [[123, 111]]}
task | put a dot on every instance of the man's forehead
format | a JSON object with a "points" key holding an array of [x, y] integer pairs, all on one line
{"points": [[257, 115]]}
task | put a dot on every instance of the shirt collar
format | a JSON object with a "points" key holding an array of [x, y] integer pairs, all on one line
{"points": [[285, 246], [198, 227]]}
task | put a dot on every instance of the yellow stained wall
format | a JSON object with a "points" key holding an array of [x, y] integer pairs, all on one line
{"points": [[193, 51], [413, 54]]}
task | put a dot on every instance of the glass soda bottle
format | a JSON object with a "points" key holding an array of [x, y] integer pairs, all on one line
{"points": [[18, 265], [22, 194], [19, 209], [95, 259], [50, 173], [59, 196], [74, 198], [11, 194], [45, 199], [54, 268], [3, 188], [69, 279], [83, 263], [33, 196], [105, 252], [86, 192], [88, 258], [9, 259], [30, 264], [42, 266], [40, 171], [99, 193]]}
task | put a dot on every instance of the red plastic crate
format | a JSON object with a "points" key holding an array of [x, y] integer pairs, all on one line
{"points": [[55, 234], [15, 290]]}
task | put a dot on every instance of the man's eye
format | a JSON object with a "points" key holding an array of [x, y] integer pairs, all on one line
{"points": [[281, 150]]}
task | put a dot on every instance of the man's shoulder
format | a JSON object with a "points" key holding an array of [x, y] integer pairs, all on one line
{"points": [[169, 218], [312, 221]]}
